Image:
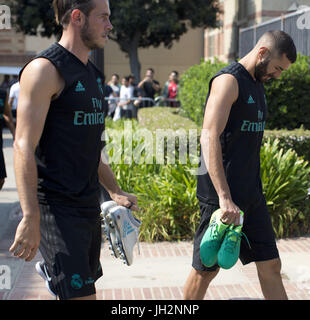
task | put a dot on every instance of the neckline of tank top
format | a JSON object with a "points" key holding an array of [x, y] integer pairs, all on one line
{"points": [[247, 72], [72, 54]]}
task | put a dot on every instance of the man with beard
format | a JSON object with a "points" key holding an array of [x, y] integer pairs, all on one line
{"points": [[57, 150], [231, 138]]}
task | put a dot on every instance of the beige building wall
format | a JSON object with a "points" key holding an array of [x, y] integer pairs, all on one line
{"points": [[183, 54], [241, 14], [12, 46], [36, 44], [11, 42]]}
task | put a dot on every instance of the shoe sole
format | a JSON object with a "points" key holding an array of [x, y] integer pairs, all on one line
{"points": [[115, 244]]}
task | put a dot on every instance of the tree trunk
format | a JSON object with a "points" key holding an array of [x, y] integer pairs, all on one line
{"points": [[135, 66]]}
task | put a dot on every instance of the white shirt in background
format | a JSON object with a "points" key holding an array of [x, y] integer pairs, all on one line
{"points": [[126, 93], [14, 93]]}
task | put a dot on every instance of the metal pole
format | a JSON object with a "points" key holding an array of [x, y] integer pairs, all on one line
{"points": [[254, 36], [282, 22]]}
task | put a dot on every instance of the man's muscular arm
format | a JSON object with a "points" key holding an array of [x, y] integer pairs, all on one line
{"points": [[39, 83], [224, 92]]}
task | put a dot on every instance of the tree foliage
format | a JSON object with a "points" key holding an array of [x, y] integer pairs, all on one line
{"points": [[137, 23], [35, 17]]}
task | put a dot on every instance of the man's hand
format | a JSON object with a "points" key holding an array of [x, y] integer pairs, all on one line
{"points": [[147, 79], [229, 211], [126, 200], [27, 239]]}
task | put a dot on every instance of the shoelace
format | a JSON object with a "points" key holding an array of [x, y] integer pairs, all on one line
{"points": [[230, 244], [215, 232]]}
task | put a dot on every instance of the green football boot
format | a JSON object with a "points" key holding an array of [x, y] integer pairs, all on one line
{"points": [[230, 248], [212, 239]]}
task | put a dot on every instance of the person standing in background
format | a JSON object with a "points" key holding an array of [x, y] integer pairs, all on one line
{"points": [[13, 98], [114, 84], [5, 117], [149, 87]]}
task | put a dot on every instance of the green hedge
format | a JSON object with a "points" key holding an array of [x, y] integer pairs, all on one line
{"points": [[194, 87], [288, 98], [298, 140]]}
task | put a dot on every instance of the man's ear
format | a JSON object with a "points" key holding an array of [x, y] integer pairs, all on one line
{"points": [[77, 17], [263, 53]]}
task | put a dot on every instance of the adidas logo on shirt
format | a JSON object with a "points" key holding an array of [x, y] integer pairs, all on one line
{"points": [[251, 100], [79, 87]]}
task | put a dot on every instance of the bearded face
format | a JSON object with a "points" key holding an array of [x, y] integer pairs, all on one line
{"points": [[95, 31], [261, 71], [88, 38]]}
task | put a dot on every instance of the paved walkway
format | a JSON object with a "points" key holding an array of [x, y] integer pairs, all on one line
{"points": [[158, 273]]}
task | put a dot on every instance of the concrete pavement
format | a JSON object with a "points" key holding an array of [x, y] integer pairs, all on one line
{"points": [[159, 273]]}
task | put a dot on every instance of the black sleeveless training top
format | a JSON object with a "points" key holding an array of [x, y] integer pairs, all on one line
{"points": [[240, 141], [68, 152]]}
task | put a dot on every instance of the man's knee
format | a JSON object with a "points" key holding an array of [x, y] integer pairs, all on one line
{"points": [[206, 276], [269, 268], [197, 283]]}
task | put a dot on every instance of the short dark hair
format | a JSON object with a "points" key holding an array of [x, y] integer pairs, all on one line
{"points": [[63, 9], [283, 44]]}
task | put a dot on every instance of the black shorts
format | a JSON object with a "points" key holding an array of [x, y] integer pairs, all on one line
{"points": [[256, 226], [2, 163], [70, 246]]}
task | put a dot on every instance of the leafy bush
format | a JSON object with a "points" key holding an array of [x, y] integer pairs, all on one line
{"points": [[288, 98], [167, 192], [285, 179], [194, 87]]}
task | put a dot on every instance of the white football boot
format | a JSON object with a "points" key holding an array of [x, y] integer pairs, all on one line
{"points": [[121, 229]]}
